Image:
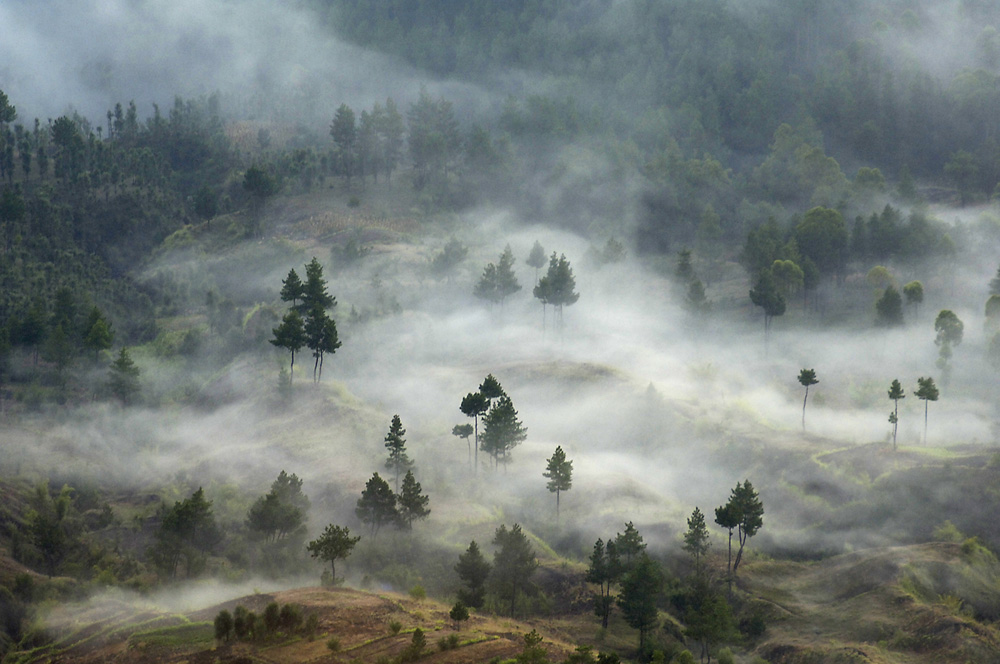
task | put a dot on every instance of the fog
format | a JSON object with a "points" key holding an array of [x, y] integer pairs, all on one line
{"points": [[659, 409]]}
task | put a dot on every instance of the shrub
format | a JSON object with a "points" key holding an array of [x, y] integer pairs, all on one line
{"points": [[223, 625], [272, 618], [725, 656], [683, 657], [290, 618], [333, 644], [395, 626], [312, 626], [353, 202], [418, 592]]}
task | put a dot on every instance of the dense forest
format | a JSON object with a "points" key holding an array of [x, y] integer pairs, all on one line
{"points": [[219, 320]]}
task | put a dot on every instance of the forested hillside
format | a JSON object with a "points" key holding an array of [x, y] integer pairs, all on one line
{"points": [[650, 273]]}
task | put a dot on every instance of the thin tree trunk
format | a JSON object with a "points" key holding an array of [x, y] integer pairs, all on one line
{"points": [[804, 408]]}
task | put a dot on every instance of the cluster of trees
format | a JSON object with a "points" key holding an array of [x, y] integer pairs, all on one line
{"points": [[556, 287], [277, 619], [307, 323], [502, 431], [507, 579]]}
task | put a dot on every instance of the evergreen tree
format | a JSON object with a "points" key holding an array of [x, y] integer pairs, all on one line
{"points": [[498, 280], [914, 294], [290, 335], [889, 308], [502, 431], [696, 541], [412, 504], [926, 391], [604, 570], [377, 504], [708, 617], [344, 132], [398, 460], [463, 431], [765, 295], [314, 292], [628, 546], [745, 512], [895, 393], [807, 377], [474, 570], [639, 592], [536, 258], [513, 564], [334, 544], [475, 405], [97, 333], [292, 289], [123, 378], [560, 474], [187, 531], [949, 329], [557, 286]]}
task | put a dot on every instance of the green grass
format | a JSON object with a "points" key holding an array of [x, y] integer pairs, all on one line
{"points": [[178, 635]]}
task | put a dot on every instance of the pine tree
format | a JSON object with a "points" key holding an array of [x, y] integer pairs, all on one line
{"points": [[604, 570], [290, 335], [926, 391], [474, 570], [502, 431], [895, 393], [557, 286], [639, 592], [377, 504], [513, 564], [292, 289], [396, 444], [560, 474], [807, 377], [412, 504], [696, 541], [123, 378], [475, 405], [334, 544], [536, 258]]}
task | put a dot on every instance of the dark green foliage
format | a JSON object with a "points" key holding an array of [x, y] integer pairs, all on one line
{"points": [[558, 285], [473, 569], [605, 570], [411, 503], [272, 618], [533, 652], [377, 504], [744, 512], [291, 336], [822, 237], [949, 329], [415, 649], [807, 377], [344, 132], [51, 526], [708, 617], [281, 512], [123, 378], [696, 541], [498, 281], [628, 546], [502, 431], [560, 473], [97, 332], [914, 294], [513, 564], [475, 405], [292, 289], [895, 393], [889, 308], [463, 431], [765, 294], [397, 460], [334, 544], [926, 391], [640, 588], [459, 613], [187, 531], [223, 626]]}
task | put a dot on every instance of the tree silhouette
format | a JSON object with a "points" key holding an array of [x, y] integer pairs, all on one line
{"points": [[464, 431], [807, 377], [412, 504], [123, 378], [474, 570], [513, 564], [639, 591], [557, 286], [604, 570], [377, 504], [334, 544], [536, 258], [560, 474], [926, 391], [502, 431], [396, 444], [475, 405], [895, 393], [696, 541], [290, 335]]}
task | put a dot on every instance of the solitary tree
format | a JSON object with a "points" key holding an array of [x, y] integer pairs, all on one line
{"points": [[396, 444], [640, 588], [807, 377], [926, 391], [412, 504], [377, 504], [473, 569], [895, 393], [513, 564], [459, 613], [560, 474], [334, 544]]}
